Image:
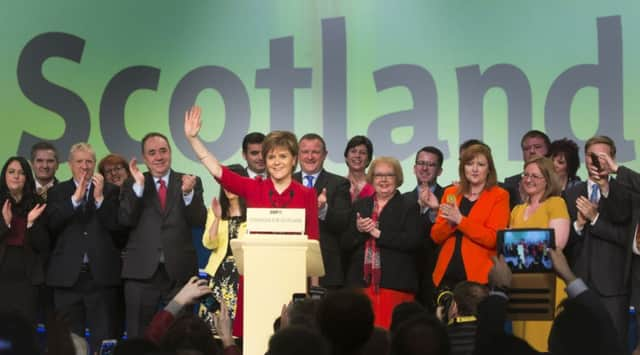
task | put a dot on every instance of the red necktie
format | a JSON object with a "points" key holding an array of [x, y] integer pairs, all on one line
{"points": [[162, 193]]}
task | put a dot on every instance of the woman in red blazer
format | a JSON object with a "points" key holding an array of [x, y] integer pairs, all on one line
{"points": [[470, 215]]}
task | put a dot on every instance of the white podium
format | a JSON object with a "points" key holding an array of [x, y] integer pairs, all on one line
{"points": [[274, 267]]}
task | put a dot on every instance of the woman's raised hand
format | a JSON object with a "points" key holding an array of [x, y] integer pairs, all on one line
{"points": [[192, 122]]}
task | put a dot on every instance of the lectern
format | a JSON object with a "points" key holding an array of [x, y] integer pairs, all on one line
{"points": [[275, 265]]}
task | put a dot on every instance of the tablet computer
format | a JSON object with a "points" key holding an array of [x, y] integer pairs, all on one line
{"points": [[525, 250]]}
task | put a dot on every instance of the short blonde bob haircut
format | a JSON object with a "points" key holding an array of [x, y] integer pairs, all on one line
{"points": [[393, 162]]}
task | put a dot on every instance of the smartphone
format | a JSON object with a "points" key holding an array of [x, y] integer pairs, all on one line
{"points": [[107, 346], [596, 161], [209, 301], [298, 297], [317, 292]]}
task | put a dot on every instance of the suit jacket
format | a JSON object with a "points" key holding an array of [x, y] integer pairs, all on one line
{"points": [[334, 224], [412, 197], [400, 238], [79, 230], [489, 214], [601, 256], [154, 230], [630, 181], [512, 185], [35, 247], [426, 256]]}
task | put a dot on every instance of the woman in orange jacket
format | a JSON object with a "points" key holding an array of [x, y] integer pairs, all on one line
{"points": [[470, 214]]}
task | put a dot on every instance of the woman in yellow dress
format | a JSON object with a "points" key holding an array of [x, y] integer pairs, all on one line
{"points": [[543, 208], [226, 220]]}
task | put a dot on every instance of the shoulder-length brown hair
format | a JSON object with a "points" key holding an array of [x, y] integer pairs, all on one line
{"points": [[553, 188], [468, 155]]}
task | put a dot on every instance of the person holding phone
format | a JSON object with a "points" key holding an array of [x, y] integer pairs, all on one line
{"points": [[542, 208], [597, 252], [226, 221], [470, 215]]}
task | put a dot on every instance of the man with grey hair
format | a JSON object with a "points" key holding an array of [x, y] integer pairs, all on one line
{"points": [[84, 268]]}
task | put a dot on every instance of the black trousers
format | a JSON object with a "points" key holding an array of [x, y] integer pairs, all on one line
{"points": [[618, 309], [87, 305], [143, 298]]}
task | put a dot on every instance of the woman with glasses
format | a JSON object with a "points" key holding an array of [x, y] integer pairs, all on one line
{"points": [[469, 217], [382, 238], [357, 155], [542, 208], [114, 168]]}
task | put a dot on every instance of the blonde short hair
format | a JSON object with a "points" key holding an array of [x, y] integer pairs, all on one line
{"points": [[84, 147], [393, 162]]}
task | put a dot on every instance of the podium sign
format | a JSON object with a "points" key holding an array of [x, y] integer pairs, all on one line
{"points": [[280, 221]]}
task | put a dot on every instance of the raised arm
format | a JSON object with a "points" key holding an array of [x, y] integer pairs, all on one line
{"points": [[192, 125]]}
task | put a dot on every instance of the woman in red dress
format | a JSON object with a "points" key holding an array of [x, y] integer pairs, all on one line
{"points": [[278, 190]]}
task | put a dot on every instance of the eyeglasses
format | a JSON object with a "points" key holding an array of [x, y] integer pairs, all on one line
{"points": [[426, 164], [384, 176], [533, 176], [114, 170]]}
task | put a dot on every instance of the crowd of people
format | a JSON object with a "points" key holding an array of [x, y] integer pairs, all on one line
{"points": [[112, 250]]}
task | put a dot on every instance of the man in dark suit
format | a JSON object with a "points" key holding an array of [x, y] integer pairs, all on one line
{"points": [[534, 144], [427, 194], [44, 160], [334, 205], [84, 269], [599, 253], [629, 180], [252, 154], [160, 207]]}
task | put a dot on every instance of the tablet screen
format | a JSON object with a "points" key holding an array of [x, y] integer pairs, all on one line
{"points": [[525, 250]]}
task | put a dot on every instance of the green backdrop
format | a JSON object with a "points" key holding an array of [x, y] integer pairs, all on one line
{"points": [[407, 73]]}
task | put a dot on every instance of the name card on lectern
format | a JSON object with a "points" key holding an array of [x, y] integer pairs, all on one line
{"points": [[275, 221]]}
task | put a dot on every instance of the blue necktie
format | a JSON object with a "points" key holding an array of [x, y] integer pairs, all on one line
{"points": [[594, 193], [309, 179]]}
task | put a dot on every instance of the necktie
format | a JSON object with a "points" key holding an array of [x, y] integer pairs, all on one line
{"points": [[595, 188], [309, 180], [162, 193]]}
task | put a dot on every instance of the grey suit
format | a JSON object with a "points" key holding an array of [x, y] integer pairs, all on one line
{"points": [[601, 254], [333, 225], [157, 234]]}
